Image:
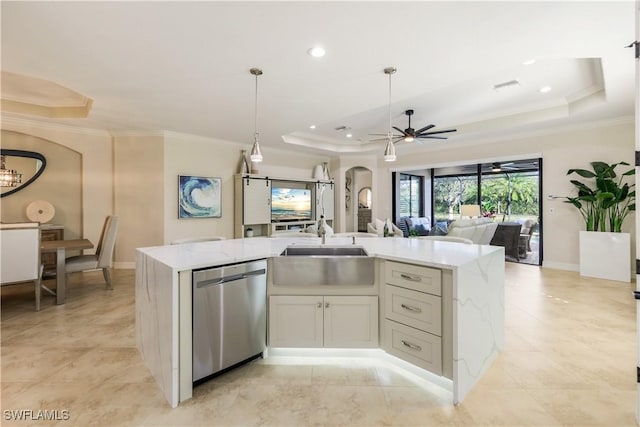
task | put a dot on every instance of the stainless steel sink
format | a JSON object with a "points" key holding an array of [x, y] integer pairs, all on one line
{"points": [[323, 266], [324, 251]]}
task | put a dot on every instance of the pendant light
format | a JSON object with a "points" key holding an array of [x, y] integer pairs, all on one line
{"points": [[8, 177], [390, 150], [256, 153]]}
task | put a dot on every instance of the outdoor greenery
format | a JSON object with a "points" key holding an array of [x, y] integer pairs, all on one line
{"points": [[503, 195], [605, 200]]}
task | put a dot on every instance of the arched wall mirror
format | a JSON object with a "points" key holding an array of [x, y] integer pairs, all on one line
{"points": [[364, 198], [19, 169]]}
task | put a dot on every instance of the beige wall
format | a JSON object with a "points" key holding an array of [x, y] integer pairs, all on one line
{"points": [[60, 184], [95, 149], [139, 194], [116, 173], [193, 155], [560, 152]]}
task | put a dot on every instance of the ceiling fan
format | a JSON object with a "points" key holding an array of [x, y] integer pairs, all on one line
{"points": [[411, 135]]}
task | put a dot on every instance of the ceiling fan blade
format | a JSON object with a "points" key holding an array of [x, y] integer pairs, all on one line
{"points": [[384, 134], [424, 128], [398, 139], [431, 137], [437, 132], [385, 138], [400, 130]]}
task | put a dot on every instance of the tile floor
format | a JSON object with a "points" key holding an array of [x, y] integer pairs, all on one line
{"points": [[569, 360]]}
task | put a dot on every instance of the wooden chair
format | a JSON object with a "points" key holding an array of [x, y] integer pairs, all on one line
{"points": [[103, 258], [20, 256]]}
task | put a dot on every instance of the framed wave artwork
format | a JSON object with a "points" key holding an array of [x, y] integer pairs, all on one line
{"points": [[199, 197]]}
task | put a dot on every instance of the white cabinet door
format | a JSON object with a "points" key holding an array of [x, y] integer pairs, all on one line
{"points": [[351, 321], [257, 201], [295, 321], [324, 200]]}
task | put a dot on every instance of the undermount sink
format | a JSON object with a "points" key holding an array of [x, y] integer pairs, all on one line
{"points": [[323, 266], [324, 251]]}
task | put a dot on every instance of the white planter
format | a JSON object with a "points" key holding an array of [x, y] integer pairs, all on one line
{"points": [[605, 255]]}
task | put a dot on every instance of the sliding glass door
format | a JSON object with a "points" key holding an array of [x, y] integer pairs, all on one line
{"points": [[411, 195], [506, 192]]}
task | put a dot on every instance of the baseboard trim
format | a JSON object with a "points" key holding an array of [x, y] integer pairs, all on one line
{"points": [[125, 265], [561, 266]]}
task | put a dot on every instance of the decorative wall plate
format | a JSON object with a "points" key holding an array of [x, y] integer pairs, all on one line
{"points": [[40, 211]]}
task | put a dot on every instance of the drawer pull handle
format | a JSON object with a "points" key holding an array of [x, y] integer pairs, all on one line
{"points": [[319, 305], [411, 346], [411, 277], [411, 308]]}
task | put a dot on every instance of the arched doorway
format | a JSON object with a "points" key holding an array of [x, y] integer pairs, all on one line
{"points": [[358, 198]]}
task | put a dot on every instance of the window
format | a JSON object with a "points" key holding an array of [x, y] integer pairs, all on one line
{"points": [[411, 200], [449, 192]]}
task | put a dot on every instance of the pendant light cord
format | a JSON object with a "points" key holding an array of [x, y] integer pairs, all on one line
{"points": [[389, 130], [255, 116]]}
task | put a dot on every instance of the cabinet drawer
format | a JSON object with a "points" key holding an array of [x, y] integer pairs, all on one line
{"points": [[418, 278], [415, 309], [417, 347]]}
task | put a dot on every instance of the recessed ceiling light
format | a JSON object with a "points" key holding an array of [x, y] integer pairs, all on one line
{"points": [[316, 51], [312, 127], [545, 89], [529, 62], [348, 135]]}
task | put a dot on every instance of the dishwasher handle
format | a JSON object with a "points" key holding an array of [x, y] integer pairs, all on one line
{"points": [[228, 279]]}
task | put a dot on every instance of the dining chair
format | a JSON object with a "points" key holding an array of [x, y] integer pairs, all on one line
{"points": [[103, 258], [20, 256], [196, 239]]}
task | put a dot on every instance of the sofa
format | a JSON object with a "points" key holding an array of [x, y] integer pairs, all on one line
{"points": [[415, 226], [479, 230], [377, 227]]}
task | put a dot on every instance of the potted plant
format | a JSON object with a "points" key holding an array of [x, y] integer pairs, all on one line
{"points": [[604, 201]]}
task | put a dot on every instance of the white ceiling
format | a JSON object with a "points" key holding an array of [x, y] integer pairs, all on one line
{"points": [[184, 66]]}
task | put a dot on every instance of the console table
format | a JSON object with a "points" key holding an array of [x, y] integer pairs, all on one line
{"points": [[50, 232]]}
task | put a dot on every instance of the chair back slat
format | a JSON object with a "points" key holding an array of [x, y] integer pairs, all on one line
{"points": [[107, 242]]}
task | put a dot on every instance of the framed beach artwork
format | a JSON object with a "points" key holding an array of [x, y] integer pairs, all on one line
{"points": [[199, 197]]}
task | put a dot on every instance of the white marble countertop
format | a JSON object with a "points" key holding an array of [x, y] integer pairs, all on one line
{"points": [[190, 256]]}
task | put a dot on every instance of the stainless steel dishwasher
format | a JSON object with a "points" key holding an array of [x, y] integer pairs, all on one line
{"points": [[229, 317]]}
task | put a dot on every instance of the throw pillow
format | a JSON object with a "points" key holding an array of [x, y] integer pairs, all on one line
{"points": [[440, 229], [421, 230], [379, 227]]}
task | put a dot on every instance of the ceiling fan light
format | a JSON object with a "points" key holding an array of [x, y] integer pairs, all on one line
{"points": [[390, 152], [409, 138], [497, 167]]}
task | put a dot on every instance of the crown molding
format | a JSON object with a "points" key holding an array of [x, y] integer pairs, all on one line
{"points": [[8, 123]]}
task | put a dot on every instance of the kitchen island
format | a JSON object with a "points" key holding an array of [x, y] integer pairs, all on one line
{"points": [[472, 282]]}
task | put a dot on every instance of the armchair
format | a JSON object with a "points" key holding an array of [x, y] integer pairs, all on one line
{"points": [[377, 227]]}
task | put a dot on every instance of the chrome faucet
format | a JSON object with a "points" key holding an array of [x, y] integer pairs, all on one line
{"points": [[322, 232], [353, 240]]}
